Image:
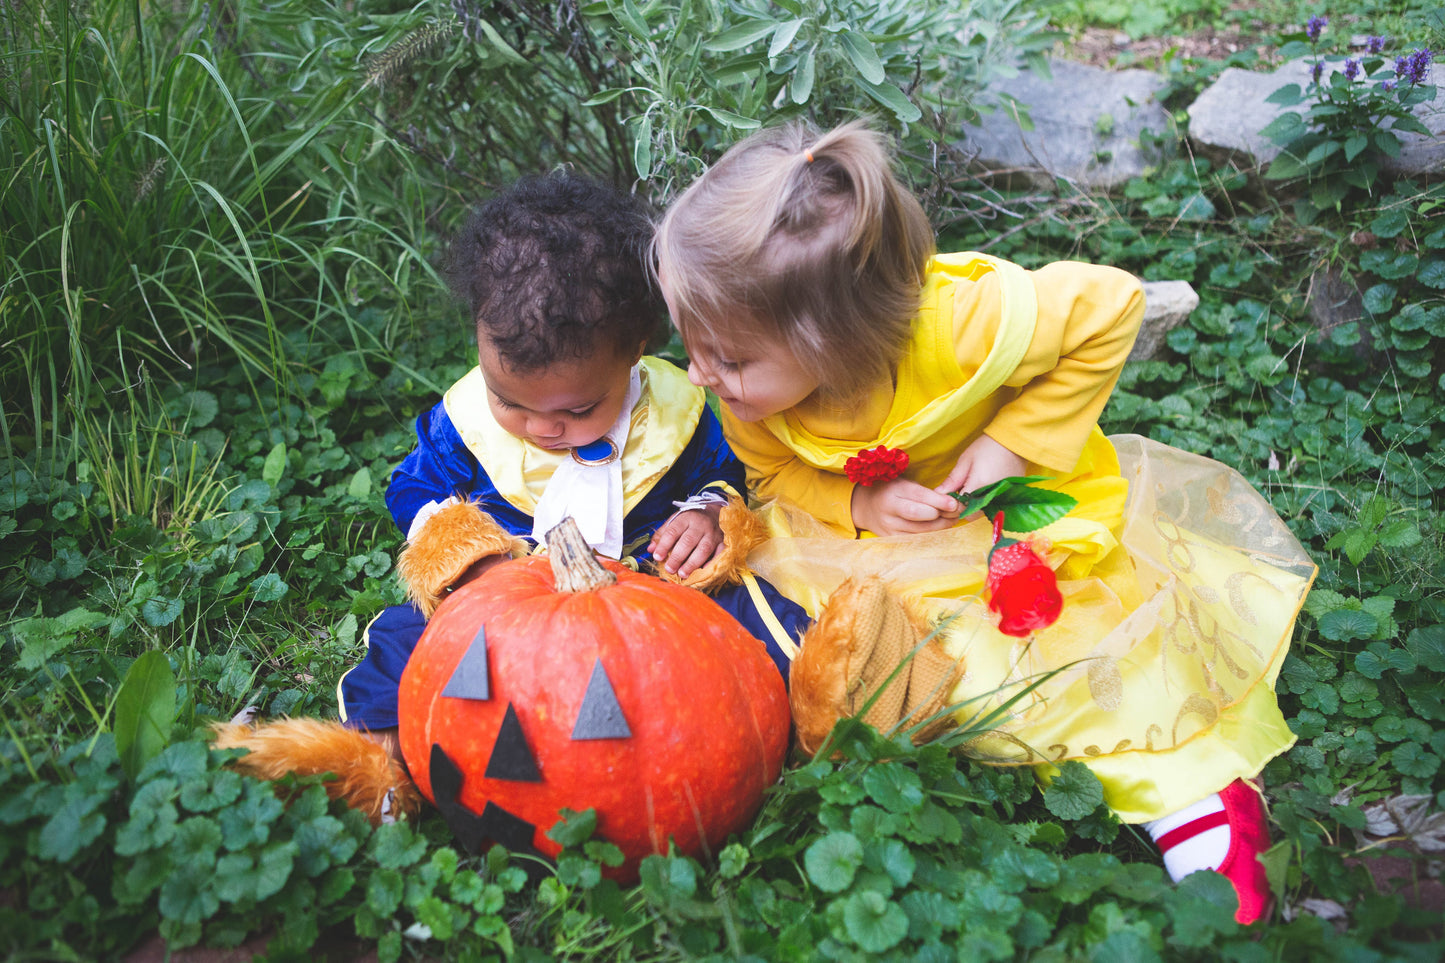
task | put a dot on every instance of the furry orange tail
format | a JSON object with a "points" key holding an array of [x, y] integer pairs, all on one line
{"points": [[368, 777]]}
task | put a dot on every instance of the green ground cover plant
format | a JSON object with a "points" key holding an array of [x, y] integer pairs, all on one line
{"points": [[222, 319]]}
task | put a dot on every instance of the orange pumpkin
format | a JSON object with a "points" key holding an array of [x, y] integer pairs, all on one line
{"points": [[637, 698]]}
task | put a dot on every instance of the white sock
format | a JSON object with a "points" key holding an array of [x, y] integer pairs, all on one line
{"points": [[1204, 851]]}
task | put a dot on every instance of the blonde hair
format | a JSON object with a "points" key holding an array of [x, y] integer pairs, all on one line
{"points": [[812, 238]]}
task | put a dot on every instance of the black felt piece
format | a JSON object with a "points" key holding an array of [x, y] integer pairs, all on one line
{"points": [[446, 787], [600, 716], [511, 831], [470, 679], [511, 758]]}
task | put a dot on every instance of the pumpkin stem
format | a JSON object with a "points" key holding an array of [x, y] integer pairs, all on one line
{"points": [[574, 566]]}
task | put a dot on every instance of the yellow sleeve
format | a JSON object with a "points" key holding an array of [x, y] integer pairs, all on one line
{"points": [[1088, 318], [775, 472]]}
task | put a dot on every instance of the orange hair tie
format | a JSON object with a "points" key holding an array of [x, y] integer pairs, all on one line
{"points": [[808, 156]]}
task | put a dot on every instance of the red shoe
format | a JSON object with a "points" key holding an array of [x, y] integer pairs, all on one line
{"points": [[1248, 838]]}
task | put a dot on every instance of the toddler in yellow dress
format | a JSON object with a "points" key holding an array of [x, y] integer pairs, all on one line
{"points": [[804, 281]]}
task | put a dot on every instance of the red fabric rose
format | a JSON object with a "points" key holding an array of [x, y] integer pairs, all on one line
{"points": [[1021, 588], [873, 465]]}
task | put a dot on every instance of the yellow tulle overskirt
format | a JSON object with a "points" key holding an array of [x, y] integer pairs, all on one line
{"points": [[1181, 586]]}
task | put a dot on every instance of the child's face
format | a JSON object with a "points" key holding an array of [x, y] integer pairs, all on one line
{"points": [[755, 376], [564, 405]]}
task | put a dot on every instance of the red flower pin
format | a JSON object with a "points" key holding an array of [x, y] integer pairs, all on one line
{"points": [[1021, 588], [873, 465]]}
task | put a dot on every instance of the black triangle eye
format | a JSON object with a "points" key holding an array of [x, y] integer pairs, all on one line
{"points": [[470, 679], [511, 757], [600, 716]]}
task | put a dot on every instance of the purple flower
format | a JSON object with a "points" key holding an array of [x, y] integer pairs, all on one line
{"points": [[1402, 66], [1387, 85], [1374, 44], [1315, 25], [1352, 69], [1317, 71], [1418, 65]]}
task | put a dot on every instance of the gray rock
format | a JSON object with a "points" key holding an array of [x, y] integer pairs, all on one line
{"points": [[1087, 127], [1225, 122], [1167, 304]]}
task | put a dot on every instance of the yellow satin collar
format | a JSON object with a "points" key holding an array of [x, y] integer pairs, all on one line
{"points": [[663, 422], [918, 413]]}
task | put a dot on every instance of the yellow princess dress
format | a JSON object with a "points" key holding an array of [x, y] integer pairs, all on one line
{"points": [[1180, 583]]}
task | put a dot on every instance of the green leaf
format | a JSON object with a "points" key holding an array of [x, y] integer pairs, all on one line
{"points": [[732, 860], [894, 99], [832, 861], [1354, 145], [1400, 533], [1196, 207], [783, 37], [195, 409], [1026, 508], [874, 922], [360, 485], [729, 119], [1427, 645], [605, 96], [268, 588], [1379, 658], [75, 825], [864, 57], [500, 47], [1284, 128], [145, 709], [159, 611], [800, 87], [1286, 96], [1343, 625], [574, 828], [642, 148], [1379, 298], [1415, 760], [895, 787], [274, 468], [1318, 153], [631, 18], [1432, 274], [396, 846], [1074, 793], [743, 35], [384, 891]]}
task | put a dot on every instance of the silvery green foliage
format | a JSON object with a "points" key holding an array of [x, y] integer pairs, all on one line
{"points": [[656, 91]]}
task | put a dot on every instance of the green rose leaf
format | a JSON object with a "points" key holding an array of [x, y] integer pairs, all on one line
{"points": [[1025, 508]]}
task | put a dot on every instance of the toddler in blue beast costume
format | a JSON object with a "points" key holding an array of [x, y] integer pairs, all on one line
{"points": [[563, 415]]}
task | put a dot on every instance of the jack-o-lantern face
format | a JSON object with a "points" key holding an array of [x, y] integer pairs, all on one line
{"points": [[642, 700]]}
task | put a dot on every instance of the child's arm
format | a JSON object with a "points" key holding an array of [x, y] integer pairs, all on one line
{"points": [[440, 471], [892, 508], [707, 469], [1088, 318]]}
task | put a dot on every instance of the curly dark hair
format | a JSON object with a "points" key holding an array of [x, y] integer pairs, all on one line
{"points": [[553, 269]]}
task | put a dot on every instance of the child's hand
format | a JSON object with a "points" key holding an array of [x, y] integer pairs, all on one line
{"points": [[982, 463], [902, 507], [688, 540]]}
